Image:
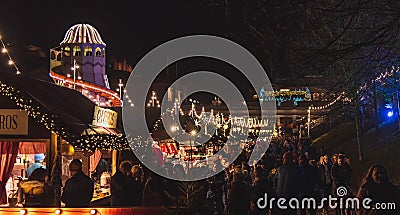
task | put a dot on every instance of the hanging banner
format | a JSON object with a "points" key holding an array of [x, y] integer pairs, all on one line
{"points": [[13, 122], [104, 117]]}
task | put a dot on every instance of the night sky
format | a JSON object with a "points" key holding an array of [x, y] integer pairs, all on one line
{"points": [[129, 28]]}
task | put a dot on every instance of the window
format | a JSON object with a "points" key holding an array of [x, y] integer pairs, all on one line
{"points": [[88, 51], [98, 52], [58, 57], [77, 51], [67, 51], [52, 55]]}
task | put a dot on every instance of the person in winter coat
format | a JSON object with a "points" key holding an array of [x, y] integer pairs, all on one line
{"points": [[122, 186], [377, 187], [288, 183], [78, 190], [37, 190], [341, 173]]}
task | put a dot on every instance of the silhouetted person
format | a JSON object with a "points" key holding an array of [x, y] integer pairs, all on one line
{"points": [[238, 196], [37, 190], [341, 173], [122, 186], [376, 186], [138, 185], [288, 182], [78, 190]]}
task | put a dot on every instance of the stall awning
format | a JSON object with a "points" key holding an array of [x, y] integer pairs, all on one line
{"points": [[61, 110]]}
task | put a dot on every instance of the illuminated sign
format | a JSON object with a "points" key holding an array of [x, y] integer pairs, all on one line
{"points": [[104, 117], [13, 122]]}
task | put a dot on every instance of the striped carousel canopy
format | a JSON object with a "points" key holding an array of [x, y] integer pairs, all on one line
{"points": [[82, 33]]}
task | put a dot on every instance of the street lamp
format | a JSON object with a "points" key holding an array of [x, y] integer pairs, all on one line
{"points": [[76, 66], [120, 85], [192, 133], [309, 121]]}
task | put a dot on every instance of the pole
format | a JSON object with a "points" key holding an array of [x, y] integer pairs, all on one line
{"points": [[74, 69], [120, 84], [309, 121]]}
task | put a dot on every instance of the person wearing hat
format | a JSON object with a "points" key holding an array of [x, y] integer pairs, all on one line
{"points": [[78, 190], [38, 164]]}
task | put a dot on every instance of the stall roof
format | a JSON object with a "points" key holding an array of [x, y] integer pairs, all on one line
{"points": [[63, 109]]}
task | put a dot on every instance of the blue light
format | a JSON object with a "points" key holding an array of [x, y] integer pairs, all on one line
{"points": [[390, 114]]}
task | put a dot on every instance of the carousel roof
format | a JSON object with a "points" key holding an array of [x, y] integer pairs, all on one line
{"points": [[82, 33]]}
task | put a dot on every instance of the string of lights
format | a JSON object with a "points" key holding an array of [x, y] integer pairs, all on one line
{"points": [[341, 96], [128, 99], [153, 102], [5, 51], [381, 77]]}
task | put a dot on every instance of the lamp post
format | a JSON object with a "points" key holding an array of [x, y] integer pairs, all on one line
{"points": [[76, 66], [192, 133], [309, 121], [120, 85]]}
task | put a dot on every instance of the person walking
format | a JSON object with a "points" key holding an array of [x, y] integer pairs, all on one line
{"points": [[78, 190], [288, 182], [326, 180], [122, 186], [341, 173], [379, 189]]}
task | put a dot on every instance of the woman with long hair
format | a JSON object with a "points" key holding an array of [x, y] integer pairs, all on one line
{"points": [[378, 188]]}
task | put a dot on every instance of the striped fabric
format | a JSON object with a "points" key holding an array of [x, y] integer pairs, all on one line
{"points": [[82, 33]]}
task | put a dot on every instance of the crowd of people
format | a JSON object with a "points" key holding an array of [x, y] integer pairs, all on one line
{"points": [[291, 168]]}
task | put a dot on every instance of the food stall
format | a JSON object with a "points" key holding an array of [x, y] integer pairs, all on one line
{"points": [[58, 122]]}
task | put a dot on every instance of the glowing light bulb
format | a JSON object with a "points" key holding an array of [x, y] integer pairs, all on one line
{"points": [[57, 211], [3, 50], [10, 62], [93, 211], [18, 72]]}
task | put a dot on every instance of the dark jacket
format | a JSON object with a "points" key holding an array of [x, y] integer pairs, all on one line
{"points": [[288, 181], [122, 188], [378, 193], [325, 171], [341, 175], [78, 191], [311, 180], [238, 198]]}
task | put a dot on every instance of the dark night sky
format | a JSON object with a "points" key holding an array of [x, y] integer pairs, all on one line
{"points": [[129, 28]]}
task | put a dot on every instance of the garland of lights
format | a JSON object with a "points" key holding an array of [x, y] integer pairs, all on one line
{"points": [[11, 62], [381, 76], [51, 122]]}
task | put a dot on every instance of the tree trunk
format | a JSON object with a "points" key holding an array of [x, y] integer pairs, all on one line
{"points": [[358, 128], [397, 110], [378, 131]]}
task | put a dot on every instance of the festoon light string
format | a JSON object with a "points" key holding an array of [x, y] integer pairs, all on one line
{"points": [[5, 51]]}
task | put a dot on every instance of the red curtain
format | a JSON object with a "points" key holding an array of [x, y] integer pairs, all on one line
{"points": [[32, 147], [8, 155], [94, 160]]}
